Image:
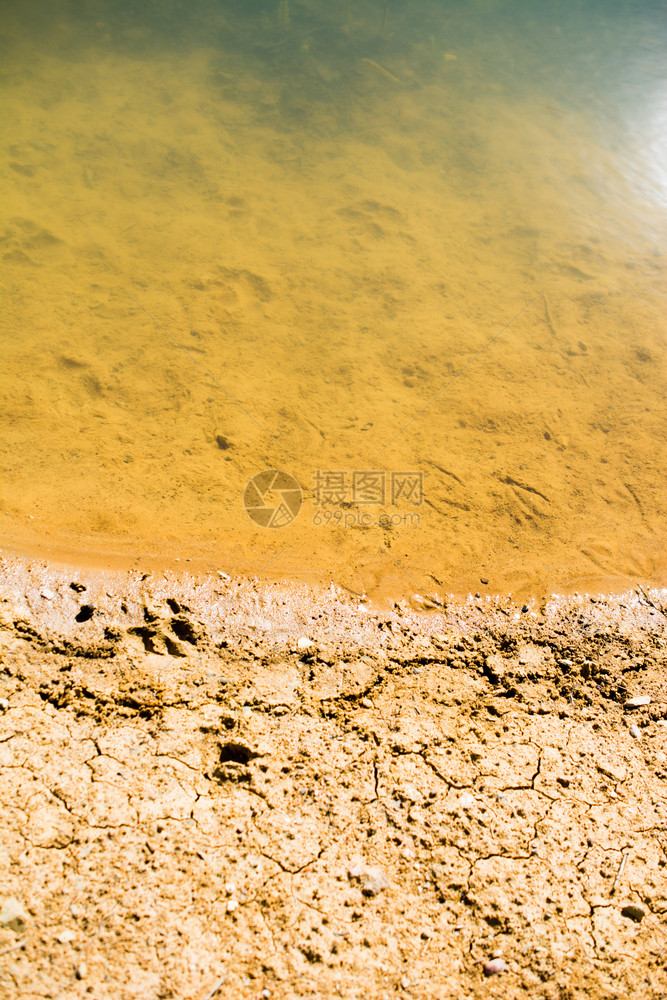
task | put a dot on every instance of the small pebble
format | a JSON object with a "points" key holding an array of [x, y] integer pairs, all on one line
{"points": [[494, 966], [81, 971], [611, 769], [634, 912], [232, 904], [48, 595], [641, 699], [564, 663], [366, 703], [373, 880], [525, 609], [303, 643], [13, 915], [4, 705], [635, 731]]}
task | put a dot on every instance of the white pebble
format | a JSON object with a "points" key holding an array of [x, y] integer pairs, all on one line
{"points": [[303, 642], [641, 699], [48, 595], [635, 731], [373, 880], [232, 905], [494, 966], [4, 705], [13, 915]]}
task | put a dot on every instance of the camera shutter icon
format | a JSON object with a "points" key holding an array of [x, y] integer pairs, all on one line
{"points": [[272, 498]]}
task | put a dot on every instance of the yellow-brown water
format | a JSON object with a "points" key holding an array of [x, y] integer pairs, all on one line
{"points": [[401, 238]]}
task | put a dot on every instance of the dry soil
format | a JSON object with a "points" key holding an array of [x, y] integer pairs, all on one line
{"points": [[232, 788]]}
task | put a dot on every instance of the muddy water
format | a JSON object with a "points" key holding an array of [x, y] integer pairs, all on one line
{"points": [[412, 255]]}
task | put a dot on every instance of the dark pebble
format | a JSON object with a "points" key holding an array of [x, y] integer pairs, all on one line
{"points": [[634, 912]]}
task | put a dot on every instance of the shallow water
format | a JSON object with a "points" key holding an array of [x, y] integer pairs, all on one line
{"points": [[410, 254]]}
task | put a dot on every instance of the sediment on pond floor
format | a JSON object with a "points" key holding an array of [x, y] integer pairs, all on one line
{"points": [[218, 787]]}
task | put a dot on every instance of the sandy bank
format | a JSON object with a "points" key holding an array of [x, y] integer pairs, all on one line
{"points": [[234, 788]]}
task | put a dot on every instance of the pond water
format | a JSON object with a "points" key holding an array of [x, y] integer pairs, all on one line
{"points": [[409, 255]]}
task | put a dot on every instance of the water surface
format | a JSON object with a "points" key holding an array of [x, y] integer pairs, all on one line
{"points": [[410, 254]]}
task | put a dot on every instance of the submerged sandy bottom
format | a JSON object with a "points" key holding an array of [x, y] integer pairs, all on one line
{"points": [[222, 787], [264, 240]]}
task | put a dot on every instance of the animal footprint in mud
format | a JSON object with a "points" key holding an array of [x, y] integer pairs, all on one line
{"points": [[240, 290], [617, 561], [371, 218], [523, 500], [166, 635]]}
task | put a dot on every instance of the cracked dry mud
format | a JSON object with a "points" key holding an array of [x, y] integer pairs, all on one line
{"points": [[188, 793]]}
